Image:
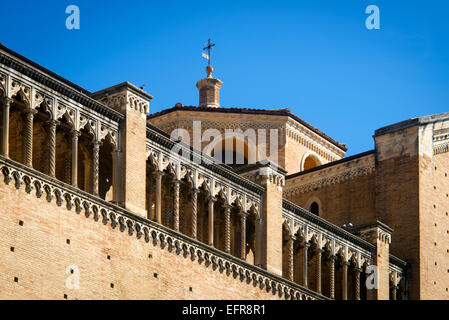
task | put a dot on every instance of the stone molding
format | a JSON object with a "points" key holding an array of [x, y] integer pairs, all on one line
{"points": [[313, 142], [397, 270], [110, 214], [268, 174], [441, 148], [187, 123], [12, 65], [331, 175], [126, 100], [374, 231]]}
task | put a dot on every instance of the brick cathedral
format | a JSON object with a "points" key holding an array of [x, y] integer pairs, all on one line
{"points": [[102, 199]]}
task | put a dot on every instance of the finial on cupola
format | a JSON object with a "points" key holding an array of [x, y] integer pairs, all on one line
{"points": [[209, 87]]}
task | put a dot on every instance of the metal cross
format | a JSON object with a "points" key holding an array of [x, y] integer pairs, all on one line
{"points": [[209, 46]]}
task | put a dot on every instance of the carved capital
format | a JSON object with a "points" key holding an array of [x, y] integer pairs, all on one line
{"points": [[75, 134], [6, 102], [51, 124]]}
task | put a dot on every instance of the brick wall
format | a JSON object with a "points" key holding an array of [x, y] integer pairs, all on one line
{"points": [[42, 256], [434, 227]]}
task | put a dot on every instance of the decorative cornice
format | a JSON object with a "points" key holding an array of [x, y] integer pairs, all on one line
{"points": [[124, 96], [285, 112], [261, 173], [219, 124], [329, 175], [115, 216], [398, 263], [314, 142], [374, 230], [75, 94], [441, 148]]}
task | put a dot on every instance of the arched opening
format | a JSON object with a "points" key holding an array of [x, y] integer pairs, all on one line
{"points": [[105, 186], [314, 260], [325, 275], [235, 232], [311, 162], [351, 285], [185, 207], [63, 163], [168, 199], [203, 215], [16, 128], [315, 208], [338, 285], [251, 245], [234, 152], [299, 251], [151, 190], [85, 150], [285, 251], [363, 287], [219, 224], [41, 146]]}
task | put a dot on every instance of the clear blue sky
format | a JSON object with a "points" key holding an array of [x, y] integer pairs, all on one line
{"points": [[314, 57]]}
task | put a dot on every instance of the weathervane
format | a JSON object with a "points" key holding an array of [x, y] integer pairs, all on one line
{"points": [[208, 46]]}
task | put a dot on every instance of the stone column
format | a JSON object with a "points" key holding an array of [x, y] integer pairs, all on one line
{"points": [[28, 137], [194, 213], [305, 265], [51, 129], [68, 171], [116, 159], [290, 243], [357, 283], [243, 216], [159, 175], [75, 136], [332, 277], [344, 285], [227, 216], [211, 221], [318, 253], [5, 133], [176, 185], [95, 166], [394, 290], [201, 230]]}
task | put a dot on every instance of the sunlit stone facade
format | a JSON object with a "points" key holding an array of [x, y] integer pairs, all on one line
{"points": [[92, 182]]}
